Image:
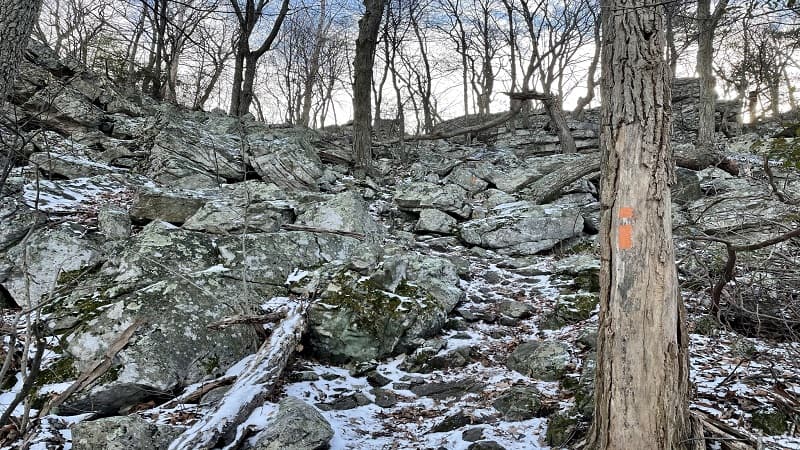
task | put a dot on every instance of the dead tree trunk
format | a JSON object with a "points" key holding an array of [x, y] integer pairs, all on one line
{"points": [[547, 188], [642, 387], [553, 107], [251, 388]]}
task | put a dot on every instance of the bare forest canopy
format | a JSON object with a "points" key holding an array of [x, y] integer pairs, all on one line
{"points": [[291, 61]]}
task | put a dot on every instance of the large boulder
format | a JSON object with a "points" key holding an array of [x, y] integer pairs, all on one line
{"points": [[542, 360], [122, 433], [286, 158], [522, 228], [270, 258], [170, 205], [188, 155], [247, 207], [342, 212], [44, 257], [418, 196], [17, 220], [406, 300], [296, 425]]}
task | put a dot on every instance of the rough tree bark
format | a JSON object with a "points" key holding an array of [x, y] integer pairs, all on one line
{"points": [[641, 395], [16, 23], [368, 27]]}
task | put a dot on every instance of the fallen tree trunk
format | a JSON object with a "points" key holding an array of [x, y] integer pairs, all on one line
{"points": [[461, 131], [547, 188], [689, 157], [252, 387], [553, 108]]}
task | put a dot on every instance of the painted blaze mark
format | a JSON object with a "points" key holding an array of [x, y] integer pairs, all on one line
{"points": [[625, 233]]}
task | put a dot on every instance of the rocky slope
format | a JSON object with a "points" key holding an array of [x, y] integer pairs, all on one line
{"points": [[449, 305]]}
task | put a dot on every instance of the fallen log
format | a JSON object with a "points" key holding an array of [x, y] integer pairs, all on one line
{"points": [[252, 387], [547, 188]]}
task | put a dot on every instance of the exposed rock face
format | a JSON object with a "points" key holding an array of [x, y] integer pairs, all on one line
{"points": [[342, 212], [296, 425], [39, 261], [418, 196], [522, 228], [286, 158], [542, 360], [519, 403], [122, 433], [405, 300]]}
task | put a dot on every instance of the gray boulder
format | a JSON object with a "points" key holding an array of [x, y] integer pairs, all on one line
{"points": [[17, 219], [467, 179], [296, 425], [359, 320], [170, 205], [188, 155], [519, 403], [423, 195], [542, 360], [122, 433], [70, 166], [342, 212], [114, 222], [47, 255], [523, 229], [435, 221], [286, 158], [246, 207], [78, 195]]}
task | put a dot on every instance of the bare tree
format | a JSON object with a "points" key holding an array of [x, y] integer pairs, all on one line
{"points": [[249, 17], [17, 18], [707, 23], [364, 60], [642, 378]]}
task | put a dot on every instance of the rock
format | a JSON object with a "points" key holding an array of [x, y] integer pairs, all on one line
{"points": [[362, 320], [375, 379], [347, 402], [466, 179], [472, 434], [735, 211], [425, 360], [17, 220], [286, 158], [384, 398], [517, 179], [448, 389], [70, 166], [47, 256], [295, 426], [114, 222], [343, 212], [122, 433], [588, 338], [687, 188], [452, 422], [519, 403], [247, 207], [770, 421], [271, 257], [435, 221], [523, 228], [185, 155], [561, 429], [418, 196], [497, 198], [581, 272], [485, 445], [542, 360], [169, 205], [571, 309], [515, 310], [584, 392]]}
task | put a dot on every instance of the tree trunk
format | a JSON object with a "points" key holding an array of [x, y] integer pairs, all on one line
{"points": [[313, 69], [553, 107], [368, 27], [707, 23], [16, 23], [591, 83], [641, 394]]}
